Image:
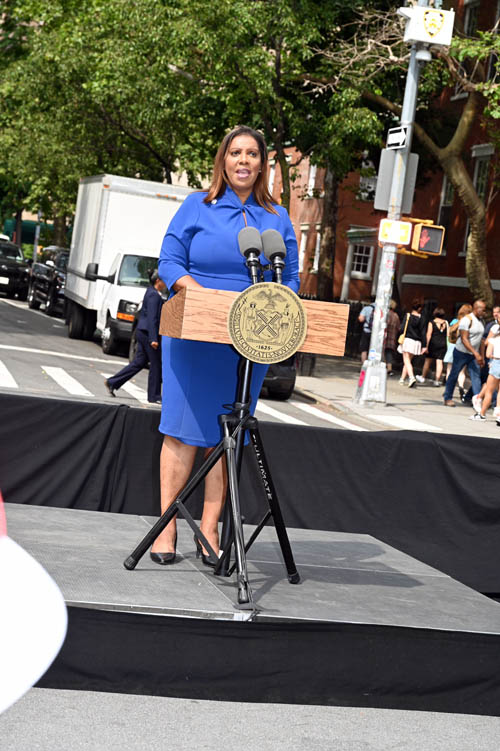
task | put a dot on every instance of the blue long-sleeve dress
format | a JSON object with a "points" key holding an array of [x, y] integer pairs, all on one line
{"points": [[202, 241]]}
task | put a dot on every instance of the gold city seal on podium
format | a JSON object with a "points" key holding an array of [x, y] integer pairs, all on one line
{"points": [[267, 323]]}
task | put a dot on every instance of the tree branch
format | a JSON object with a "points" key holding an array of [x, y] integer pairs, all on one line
{"points": [[421, 134]]}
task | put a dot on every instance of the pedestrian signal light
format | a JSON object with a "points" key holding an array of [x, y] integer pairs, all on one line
{"points": [[397, 233], [428, 238]]}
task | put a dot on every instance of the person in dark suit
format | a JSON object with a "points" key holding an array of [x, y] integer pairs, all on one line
{"points": [[148, 344]]}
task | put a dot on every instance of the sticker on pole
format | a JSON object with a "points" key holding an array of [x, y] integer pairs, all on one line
{"points": [[396, 137]]}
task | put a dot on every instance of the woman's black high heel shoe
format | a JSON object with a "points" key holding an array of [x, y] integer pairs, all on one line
{"points": [[163, 559], [199, 551]]}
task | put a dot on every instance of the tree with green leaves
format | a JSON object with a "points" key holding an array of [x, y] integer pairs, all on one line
{"points": [[373, 59]]}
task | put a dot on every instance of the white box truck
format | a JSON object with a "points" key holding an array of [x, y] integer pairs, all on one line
{"points": [[119, 227]]}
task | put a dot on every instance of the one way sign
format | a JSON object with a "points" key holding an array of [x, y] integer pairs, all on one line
{"points": [[396, 137]]}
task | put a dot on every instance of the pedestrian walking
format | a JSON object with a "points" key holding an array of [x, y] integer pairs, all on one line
{"points": [[436, 342], [391, 337], [148, 344], [464, 310], [482, 401], [413, 337], [366, 318], [469, 351]]}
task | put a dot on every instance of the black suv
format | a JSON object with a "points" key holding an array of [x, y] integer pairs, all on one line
{"points": [[48, 279], [13, 270]]}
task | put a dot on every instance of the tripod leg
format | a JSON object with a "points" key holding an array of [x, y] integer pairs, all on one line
{"points": [[272, 499], [176, 507], [244, 591]]}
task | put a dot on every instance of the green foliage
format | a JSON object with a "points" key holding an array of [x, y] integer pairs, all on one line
{"points": [[148, 87]]}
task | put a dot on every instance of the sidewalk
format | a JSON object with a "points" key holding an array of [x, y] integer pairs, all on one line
{"points": [[419, 408]]}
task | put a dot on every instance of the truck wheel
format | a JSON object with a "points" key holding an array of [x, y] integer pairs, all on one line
{"points": [[32, 302], [89, 325], [76, 322], [109, 341], [23, 294]]}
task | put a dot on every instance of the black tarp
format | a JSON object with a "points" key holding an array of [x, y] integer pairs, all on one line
{"points": [[436, 497]]}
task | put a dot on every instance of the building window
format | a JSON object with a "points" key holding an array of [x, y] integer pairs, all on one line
{"points": [[311, 180], [444, 216], [471, 17], [368, 179], [317, 249], [303, 246], [494, 58], [272, 174], [362, 261]]}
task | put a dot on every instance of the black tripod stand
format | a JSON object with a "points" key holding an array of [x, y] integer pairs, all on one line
{"points": [[234, 426]]}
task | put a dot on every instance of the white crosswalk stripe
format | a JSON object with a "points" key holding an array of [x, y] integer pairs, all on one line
{"points": [[405, 423], [132, 389], [7, 380], [281, 416], [66, 381], [325, 415]]}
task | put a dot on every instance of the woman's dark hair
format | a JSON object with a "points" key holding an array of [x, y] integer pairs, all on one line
{"points": [[260, 188], [438, 313], [417, 304]]}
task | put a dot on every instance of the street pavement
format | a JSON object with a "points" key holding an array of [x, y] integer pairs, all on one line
{"points": [[333, 386], [49, 720]]}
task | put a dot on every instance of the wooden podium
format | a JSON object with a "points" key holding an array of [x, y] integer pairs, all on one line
{"points": [[201, 315]]}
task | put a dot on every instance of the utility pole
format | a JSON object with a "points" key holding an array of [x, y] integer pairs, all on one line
{"points": [[372, 385]]}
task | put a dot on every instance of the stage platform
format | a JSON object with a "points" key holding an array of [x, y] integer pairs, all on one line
{"points": [[367, 625]]}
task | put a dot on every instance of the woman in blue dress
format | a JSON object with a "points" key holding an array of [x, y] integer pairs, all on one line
{"points": [[200, 249]]}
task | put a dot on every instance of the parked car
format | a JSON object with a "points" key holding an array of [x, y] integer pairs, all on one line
{"points": [[48, 280], [13, 270]]}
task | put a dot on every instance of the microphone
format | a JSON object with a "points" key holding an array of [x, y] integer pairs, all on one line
{"points": [[250, 243], [274, 251]]}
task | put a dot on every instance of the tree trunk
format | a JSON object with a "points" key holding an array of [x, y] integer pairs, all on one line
{"points": [[60, 230], [476, 261], [328, 237], [285, 177], [18, 236]]}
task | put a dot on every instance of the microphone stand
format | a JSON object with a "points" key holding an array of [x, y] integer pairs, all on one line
{"points": [[235, 425]]}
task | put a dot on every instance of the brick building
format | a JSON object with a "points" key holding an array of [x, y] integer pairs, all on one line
{"points": [[438, 280]]}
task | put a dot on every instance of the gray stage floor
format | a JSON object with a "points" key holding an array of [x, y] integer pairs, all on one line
{"points": [[345, 577]]}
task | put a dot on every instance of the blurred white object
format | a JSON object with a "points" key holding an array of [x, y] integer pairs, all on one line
{"points": [[33, 620]]}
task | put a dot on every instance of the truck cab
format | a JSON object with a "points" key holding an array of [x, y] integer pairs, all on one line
{"points": [[126, 284]]}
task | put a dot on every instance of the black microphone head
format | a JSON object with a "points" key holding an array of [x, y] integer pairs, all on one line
{"points": [[250, 241], [273, 244]]}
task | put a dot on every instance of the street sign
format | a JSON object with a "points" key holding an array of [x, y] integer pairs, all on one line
{"points": [[384, 181], [396, 137], [395, 233]]}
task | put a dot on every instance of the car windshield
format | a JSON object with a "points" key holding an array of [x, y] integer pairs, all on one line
{"points": [[62, 261], [135, 270], [10, 251]]}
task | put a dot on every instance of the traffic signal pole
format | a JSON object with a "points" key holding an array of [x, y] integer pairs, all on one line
{"points": [[372, 384]]}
